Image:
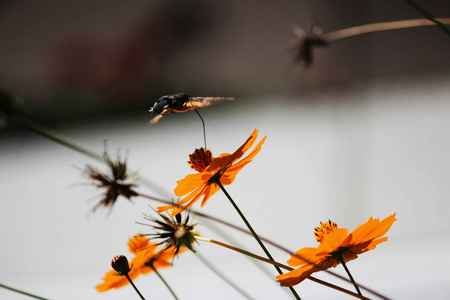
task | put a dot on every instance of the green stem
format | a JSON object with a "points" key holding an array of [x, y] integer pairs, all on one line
{"points": [[263, 259], [55, 136], [350, 275], [165, 283], [21, 292], [428, 16], [222, 276], [254, 234], [135, 288], [203, 123]]}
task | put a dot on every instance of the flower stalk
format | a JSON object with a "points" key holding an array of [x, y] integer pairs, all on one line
{"points": [[375, 27], [277, 264], [165, 282], [349, 275], [55, 136], [428, 16], [22, 292], [135, 288], [255, 235]]}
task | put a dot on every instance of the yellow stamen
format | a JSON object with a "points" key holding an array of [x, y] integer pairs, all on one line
{"points": [[324, 229], [200, 159]]}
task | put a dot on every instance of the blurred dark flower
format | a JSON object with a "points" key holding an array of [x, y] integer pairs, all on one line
{"points": [[173, 232], [115, 184], [8, 106], [307, 41]]}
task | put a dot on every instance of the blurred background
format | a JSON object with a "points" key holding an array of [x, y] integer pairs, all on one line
{"points": [[362, 131]]}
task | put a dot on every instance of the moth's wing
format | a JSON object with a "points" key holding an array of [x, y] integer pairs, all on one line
{"points": [[205, 101], [155, 119]]}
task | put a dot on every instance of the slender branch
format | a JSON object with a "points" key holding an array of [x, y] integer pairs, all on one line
{"points": [[222, 276], [22, 292], [261, 244], [429, 16], [135, 288], [349, 274], [55, 136], [165, 282], [272, 262], [374, 27]]}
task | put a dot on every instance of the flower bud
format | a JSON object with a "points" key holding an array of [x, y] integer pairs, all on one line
{"points": [[120, 264]]}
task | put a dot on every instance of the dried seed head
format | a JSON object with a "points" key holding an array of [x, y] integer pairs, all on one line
{"points": [[173, 232], [115, 184]]}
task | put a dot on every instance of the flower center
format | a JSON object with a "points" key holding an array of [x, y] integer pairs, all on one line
{"points": [[324, 229], [200, 159]]}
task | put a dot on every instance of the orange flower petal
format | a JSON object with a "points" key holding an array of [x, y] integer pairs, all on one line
{"points": [[228, 178], [331, 242], [247, 145], [295, 276], [194, 196], [161, 209], [220, 162], [179, 210], [111, 280], [384, 226], [188, 184], [137, 243], [252, 154], [191, 198], [212, 189], [303, 256], [370, 230]]}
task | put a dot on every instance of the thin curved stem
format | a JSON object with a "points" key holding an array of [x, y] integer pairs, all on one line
{"points": [[203, 124], [374, 27], [135, 288], [428, 16], [261, 244], [165, 283], [349, 275], [22, 292], [55, 136], [222, 276], [272, 262]]}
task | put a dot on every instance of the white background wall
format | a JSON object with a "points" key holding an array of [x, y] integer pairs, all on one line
{"points": [[372, 150]]}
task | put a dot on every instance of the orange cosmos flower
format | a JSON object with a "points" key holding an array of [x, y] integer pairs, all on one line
{"points": [[335, 244], [144, 253], [211, 169]]}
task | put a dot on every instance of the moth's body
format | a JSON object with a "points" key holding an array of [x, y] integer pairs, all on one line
{"points": [[180, 103]]}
